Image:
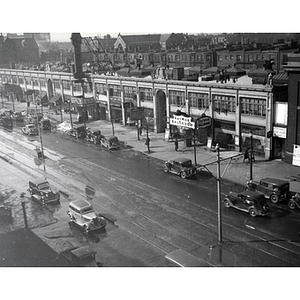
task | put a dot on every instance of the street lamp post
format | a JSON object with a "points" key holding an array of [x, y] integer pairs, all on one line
{"points": [[71, 121]]}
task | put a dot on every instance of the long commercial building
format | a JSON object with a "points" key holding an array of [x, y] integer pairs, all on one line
{"points": [[238, 111]]}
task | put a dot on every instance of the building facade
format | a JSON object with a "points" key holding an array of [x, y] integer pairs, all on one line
{"points": [[237, 111]]}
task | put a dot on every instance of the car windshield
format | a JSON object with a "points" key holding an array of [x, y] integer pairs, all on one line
{"points": [[187, 164], [43, 186], [86, 210]]}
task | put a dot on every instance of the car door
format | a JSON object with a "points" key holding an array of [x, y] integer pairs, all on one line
{"points": [[241, 202], [263, 188]]}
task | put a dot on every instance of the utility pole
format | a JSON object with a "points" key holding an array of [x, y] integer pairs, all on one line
{"points": [[219, 195], [251, 155], [195, 154]]}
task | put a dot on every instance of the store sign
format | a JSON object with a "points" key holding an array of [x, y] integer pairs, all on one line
{"points": [[296, 155], [137, 113], [204, 122], [182, 121], [279, 132]]}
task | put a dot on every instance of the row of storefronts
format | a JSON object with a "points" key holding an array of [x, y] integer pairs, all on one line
{"points": [[236, 111]]}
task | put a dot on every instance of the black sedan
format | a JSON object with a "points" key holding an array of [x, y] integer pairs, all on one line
{"points": [[249, 201], [180, 166]]}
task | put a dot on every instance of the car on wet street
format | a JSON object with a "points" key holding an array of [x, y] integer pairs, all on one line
{"points": [[180, 166], [110, 142], [40, 190], [81, 213], [272, 188], [251, 202], [30, 129]]}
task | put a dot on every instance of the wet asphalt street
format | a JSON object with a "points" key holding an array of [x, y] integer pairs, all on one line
{"points": [[156, 212]]}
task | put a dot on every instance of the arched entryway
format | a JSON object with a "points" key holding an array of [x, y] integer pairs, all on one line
{"points": [[49, 89], [160, 111]]}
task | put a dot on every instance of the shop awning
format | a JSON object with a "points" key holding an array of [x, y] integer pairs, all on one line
{"points": [[41, 97], [57, 100]]}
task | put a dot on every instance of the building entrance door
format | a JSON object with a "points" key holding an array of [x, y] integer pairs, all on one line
{"points": [[161, 112]]}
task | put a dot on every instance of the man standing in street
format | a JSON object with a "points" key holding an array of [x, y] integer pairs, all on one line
{"points": [[176, 145]]}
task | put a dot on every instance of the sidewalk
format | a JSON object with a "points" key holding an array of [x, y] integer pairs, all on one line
{"points": [[234, 170]]}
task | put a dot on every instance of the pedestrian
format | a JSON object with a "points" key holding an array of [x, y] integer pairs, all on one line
{"points": [[147, 143], [176, 145], [246, 155]]}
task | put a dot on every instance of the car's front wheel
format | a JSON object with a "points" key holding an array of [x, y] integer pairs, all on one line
{"points": [[274, 198], [166, 169], [226, 203], [292, 204], [252, 212], [183, 175]]}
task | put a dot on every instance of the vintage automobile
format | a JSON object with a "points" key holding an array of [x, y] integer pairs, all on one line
{"points": [[32, 119], [78, 131], [272, 188], [180, 166], [248, 201], [30, 129], [93, 136], [45, 124], [110, 142], [18, 116], [40, 190], [81, 213]]}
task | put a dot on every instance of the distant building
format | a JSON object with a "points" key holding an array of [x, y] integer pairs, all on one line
{"points": [[18, 49]]}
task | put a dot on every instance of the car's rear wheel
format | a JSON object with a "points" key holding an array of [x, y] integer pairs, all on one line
{"points": [[226, 203], [183, 174], [252, 212], [292, 204], [274, 198], [166, 169]]}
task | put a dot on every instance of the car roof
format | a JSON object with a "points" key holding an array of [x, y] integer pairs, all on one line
{"points": [[252, 194], [80, 203], [38, 181], [274, 181], [181, 159]]}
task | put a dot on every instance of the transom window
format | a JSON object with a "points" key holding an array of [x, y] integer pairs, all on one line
{"points": [[224, 103], [199, 100], [253, 107], [177, 98]]}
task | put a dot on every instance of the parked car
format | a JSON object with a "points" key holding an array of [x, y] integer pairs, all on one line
{"points": [[45, 124], [248, 201], [180, 166], [40, 189], [93, 136], [30, 129], [32, 119], [272, 188], [78, 131], [18, 116], [110, 142], [81, 212]]}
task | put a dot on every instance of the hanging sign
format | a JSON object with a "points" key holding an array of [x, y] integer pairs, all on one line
{"points": [[182, 121]]}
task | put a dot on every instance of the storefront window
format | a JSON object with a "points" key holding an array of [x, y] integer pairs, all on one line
{"points": [[256, 130]]}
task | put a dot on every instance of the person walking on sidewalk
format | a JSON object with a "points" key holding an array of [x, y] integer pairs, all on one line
{"points": [[176, 145], [147, 143], [246, 155]]}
